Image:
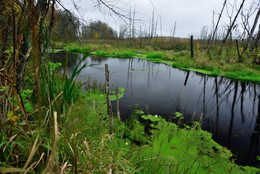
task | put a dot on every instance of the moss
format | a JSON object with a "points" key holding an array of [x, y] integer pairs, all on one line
{"points": [[123, 54], [243, 76], [76, 49], [189, 150]]}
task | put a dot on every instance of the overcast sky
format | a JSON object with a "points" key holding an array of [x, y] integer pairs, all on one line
{"points": [[190, 15]]}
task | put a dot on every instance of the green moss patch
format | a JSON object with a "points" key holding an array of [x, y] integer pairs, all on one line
{"points": [[188, 150]]}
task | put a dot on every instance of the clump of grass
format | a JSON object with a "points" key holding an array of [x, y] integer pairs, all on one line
{"points": [[101, 53], [77, 49], [243, 76], [123, 54], [157, 55], [182, 65], [90, 139]]}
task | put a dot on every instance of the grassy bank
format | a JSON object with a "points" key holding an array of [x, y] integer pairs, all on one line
{"points": [[150, 146], [74, 137], [202, 63]]}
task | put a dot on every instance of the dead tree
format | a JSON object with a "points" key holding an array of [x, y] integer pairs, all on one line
{"points": [[231, 26], [252, 31], [216, 28], [255, 44]]}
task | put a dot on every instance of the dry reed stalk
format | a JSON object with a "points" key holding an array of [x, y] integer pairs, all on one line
{"points": [[33, 151], [35, 164], [11, 139], [51, 165], [87, 147]]}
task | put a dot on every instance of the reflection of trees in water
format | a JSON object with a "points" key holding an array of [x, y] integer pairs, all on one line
{"points": [[61, 57], [231, 92], [232, 113], [217, 103], [186, 78], [243, 88], [226, 95], [129, 73], [217, 94], [254, 143]]}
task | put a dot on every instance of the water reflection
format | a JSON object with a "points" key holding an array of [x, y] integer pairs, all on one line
{"points": [[229, 109]]}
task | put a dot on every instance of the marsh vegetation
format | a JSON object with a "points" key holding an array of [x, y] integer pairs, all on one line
{"points": [[179, 113]]}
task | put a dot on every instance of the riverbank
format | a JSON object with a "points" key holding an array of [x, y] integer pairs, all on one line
{"points": [[75, 137], [151, 145], [201, 63]]}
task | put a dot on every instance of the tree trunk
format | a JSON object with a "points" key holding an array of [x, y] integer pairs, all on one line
{"points": [[216, 28], [231, 26], [252, 31], [255, 45]]}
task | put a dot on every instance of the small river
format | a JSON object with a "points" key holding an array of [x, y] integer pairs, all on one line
{"points": [[230, 110]]}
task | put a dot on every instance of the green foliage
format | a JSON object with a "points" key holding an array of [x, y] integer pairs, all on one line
{"points": [[54, 66], [3, 88], [124, 54], [190, 150], [76, 49], [152, 118], [26, 94], [8, 148], [26, 97], [139, 112], [243, 75], [53, 86], [182, 65], [178, 115], [120, 94], [156, 55], [89, 138]]}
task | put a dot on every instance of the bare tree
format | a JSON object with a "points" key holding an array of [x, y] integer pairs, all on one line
{"points": [[152, 27], [216, 28], [232, 24], [245, 17], [256, 43], [250, 36]]}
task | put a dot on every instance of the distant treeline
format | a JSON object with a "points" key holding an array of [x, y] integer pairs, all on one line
{"points": [[67, 24]]}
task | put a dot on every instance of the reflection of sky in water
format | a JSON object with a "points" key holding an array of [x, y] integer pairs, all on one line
{"points": [[163, 89]]}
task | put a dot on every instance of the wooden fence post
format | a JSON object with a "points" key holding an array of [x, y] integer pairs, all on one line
{"points": [[117, 105], [191, 46], [109, 107]]}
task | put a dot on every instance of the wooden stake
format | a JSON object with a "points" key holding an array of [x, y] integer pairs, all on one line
{"points": [[109, 108], [191, 46], [117, 106]]}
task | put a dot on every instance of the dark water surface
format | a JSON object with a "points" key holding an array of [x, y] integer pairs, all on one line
{"points": [[230, 110]]}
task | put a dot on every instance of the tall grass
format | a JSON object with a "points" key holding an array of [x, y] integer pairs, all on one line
{"points": [[38, 150]]}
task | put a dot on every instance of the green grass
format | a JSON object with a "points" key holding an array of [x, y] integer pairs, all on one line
{"points": [[86, 145], [167, 149], [180, 59], [124, 54], [93, 142]]}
